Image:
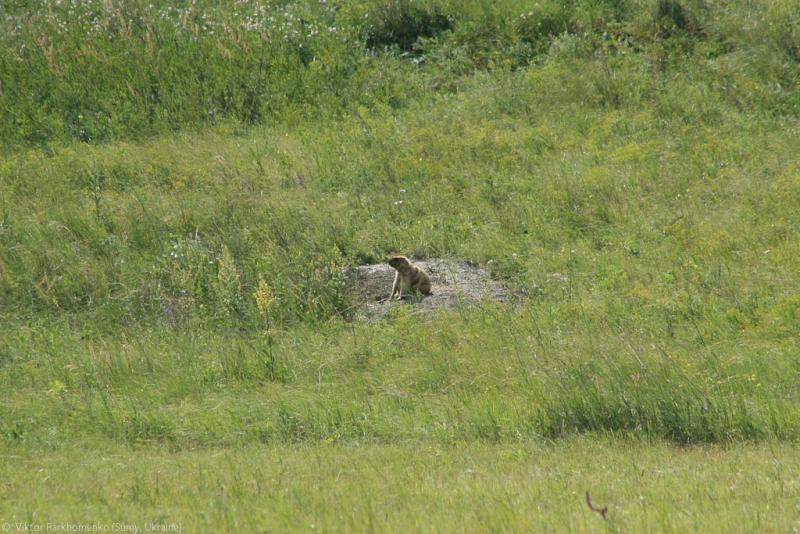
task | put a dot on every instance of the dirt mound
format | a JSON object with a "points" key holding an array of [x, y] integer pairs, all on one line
{"points": [[453, 282]]}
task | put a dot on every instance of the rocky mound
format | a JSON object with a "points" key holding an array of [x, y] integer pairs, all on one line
{"points": [[453, 282]]}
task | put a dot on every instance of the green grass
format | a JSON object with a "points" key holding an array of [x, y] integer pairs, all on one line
{"points": [[402, 487], [492, 374], [177, 207]]}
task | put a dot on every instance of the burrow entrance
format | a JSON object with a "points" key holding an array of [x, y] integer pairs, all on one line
{"points": [[454, 282]]}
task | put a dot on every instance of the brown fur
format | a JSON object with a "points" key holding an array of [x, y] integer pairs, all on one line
{"points": [[409, 277]]}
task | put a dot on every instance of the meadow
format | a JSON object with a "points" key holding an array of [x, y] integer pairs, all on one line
{"points": [[182, 185]]}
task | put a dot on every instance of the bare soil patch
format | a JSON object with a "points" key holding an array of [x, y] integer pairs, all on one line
{"points": [[454, 283]]}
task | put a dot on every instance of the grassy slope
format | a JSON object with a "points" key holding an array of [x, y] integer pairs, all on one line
{"points": [[178, 299]]}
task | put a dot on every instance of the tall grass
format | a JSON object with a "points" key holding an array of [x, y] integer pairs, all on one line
{"points": [[488, 374], [97, 71]]}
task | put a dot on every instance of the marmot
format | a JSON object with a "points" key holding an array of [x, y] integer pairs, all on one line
{"points": [[409, 277]]}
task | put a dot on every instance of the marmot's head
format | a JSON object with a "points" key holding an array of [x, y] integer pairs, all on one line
{"points": [[400, 263]]}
